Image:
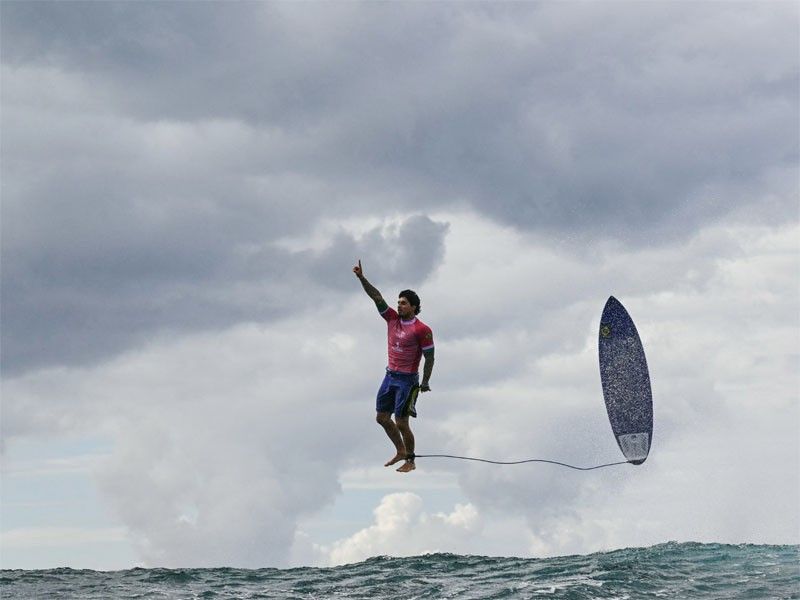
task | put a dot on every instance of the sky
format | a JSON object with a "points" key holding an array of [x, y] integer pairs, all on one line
{"points": [[189, 365]]}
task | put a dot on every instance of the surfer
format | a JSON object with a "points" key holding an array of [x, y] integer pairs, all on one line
{"points": [[409, 339]]}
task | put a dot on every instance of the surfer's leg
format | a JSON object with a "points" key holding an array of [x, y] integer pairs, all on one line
{"points": [[384, 419], [405, 431], [384, 405], [404, 428]]}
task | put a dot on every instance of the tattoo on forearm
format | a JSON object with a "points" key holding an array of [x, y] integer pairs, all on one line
{"points": [[428, 368], [371, 291]]}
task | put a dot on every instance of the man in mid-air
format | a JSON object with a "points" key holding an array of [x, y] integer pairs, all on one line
{"points": [[409, 340]]}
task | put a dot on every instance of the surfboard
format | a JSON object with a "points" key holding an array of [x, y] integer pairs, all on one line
{"points": [[626, 382]]}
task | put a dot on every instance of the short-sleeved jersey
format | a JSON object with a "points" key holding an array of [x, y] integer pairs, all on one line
{"points": [[407, 340]]}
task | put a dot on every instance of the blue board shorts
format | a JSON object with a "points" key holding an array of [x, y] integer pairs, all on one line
{"points": [[398, 394]]}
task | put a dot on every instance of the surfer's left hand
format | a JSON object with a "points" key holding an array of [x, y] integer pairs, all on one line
{"points": [[424, 388]]}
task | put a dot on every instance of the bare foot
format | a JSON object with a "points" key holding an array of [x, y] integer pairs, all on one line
{"points": [[409, 466], [397, 458]]}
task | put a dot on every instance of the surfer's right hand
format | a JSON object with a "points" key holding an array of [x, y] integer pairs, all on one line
{"points": [[357, 270]]}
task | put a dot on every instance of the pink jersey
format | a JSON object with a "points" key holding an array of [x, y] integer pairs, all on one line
{"points": [[407, 340]]}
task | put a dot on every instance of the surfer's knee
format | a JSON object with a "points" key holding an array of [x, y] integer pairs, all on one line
{"points": [[402, 425], [383, 419]]}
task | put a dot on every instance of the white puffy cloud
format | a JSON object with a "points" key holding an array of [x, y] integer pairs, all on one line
{"points": [[223, 443], [402, 528], [719, 324], [219, 442]]}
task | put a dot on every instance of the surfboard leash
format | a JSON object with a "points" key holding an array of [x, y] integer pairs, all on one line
{"points": [[518, 462]]}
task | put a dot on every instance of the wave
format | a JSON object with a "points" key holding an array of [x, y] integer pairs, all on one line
{"points": [[669, 570]]}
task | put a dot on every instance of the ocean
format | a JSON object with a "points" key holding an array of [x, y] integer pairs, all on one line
{"points": [[671, 570]]}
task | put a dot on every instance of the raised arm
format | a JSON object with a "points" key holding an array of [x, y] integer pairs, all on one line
{"points": [[371, 291]]}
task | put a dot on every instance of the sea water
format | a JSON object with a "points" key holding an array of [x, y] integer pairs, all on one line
{"points": [[670, 570]]}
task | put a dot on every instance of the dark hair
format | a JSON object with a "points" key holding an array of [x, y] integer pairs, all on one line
{"points": [[412, 298]]}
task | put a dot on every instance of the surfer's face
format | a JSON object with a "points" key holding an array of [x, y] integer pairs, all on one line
{"points": [[404, 309]]}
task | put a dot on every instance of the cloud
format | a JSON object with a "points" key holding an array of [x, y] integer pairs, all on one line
{"points": [[128, 215], [184, 195], [83, 305], [402, 528], [719, 325], [206, 466], [223, 443]]}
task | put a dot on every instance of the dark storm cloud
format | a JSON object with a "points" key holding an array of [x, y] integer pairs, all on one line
{"points": [[405, 254], [629, 118], [153, 152], [87, 306]]}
